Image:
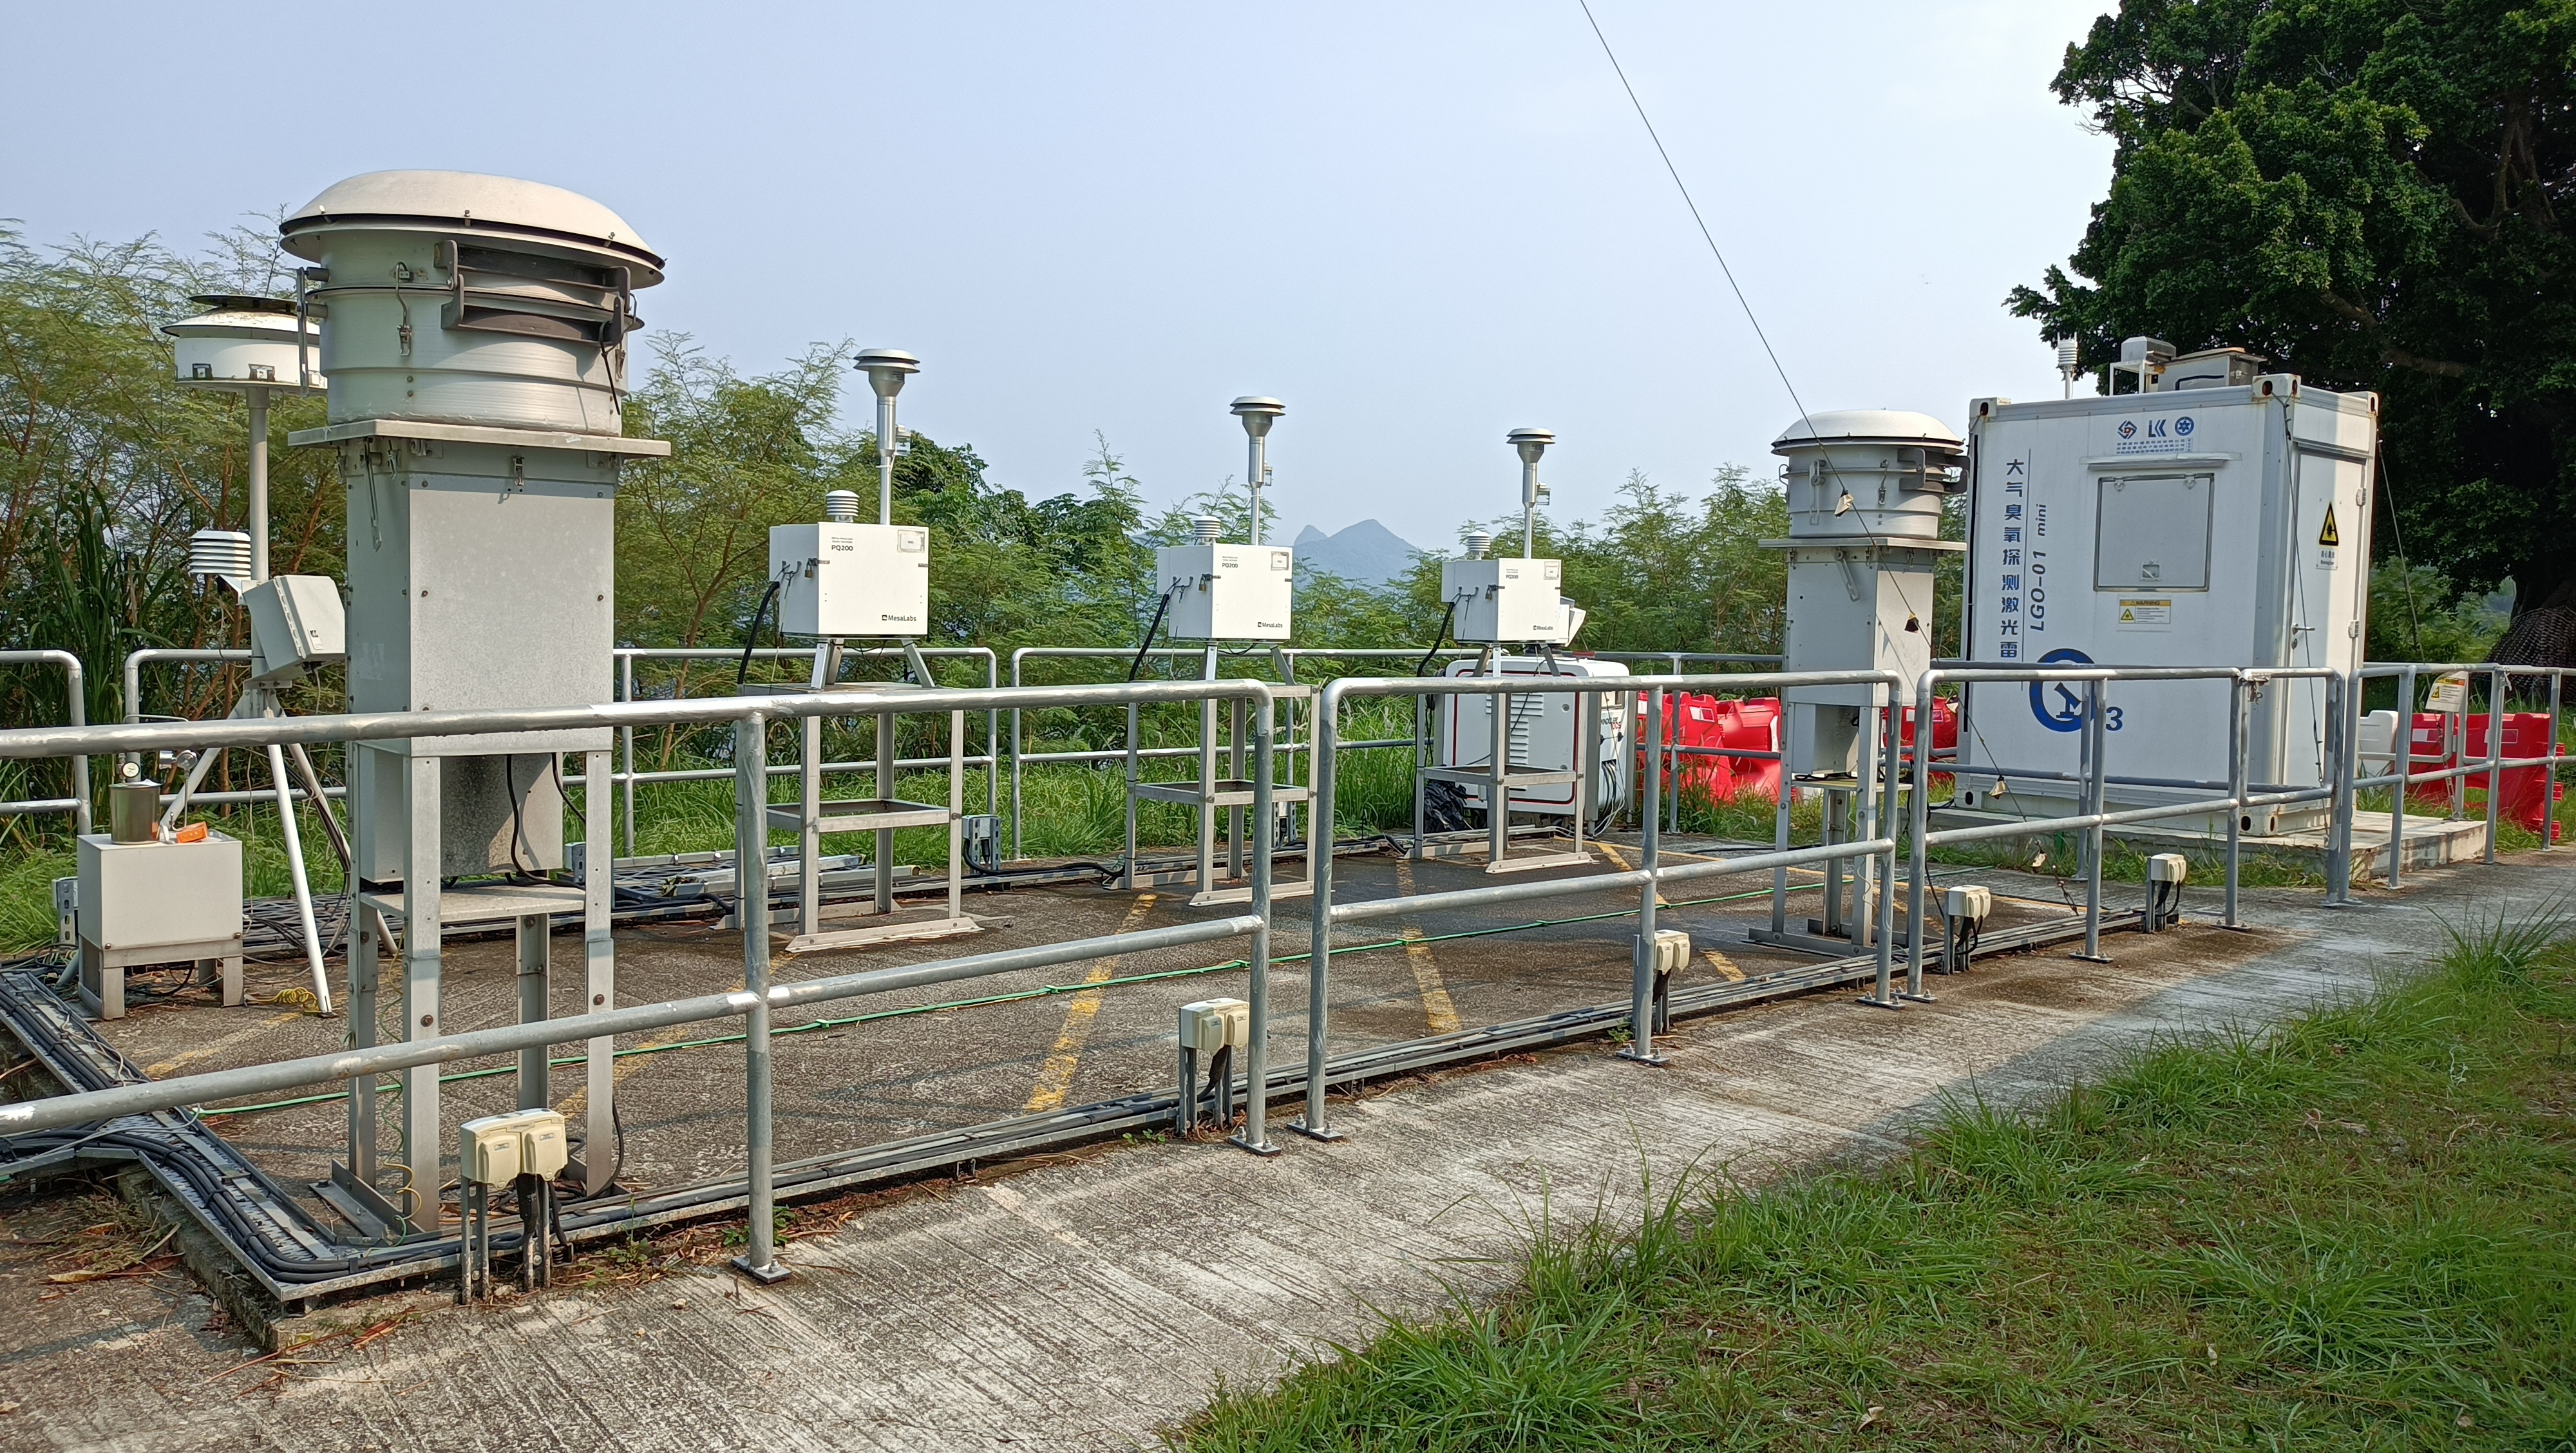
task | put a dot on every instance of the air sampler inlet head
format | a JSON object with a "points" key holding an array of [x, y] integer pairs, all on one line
{"points": [[1478, 542], [841, 506], [1203, 529]]}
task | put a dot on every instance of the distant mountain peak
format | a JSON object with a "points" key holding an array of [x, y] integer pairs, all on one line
{"points": [[1366, 553]]}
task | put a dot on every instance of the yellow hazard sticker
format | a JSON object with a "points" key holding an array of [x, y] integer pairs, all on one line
{"points": [[2330, 535]]}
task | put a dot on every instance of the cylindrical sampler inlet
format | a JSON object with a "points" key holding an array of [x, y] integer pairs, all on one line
{"points": [[466, 299]]}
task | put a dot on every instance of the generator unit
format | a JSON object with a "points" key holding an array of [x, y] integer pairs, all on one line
{"points": [[1221, 592], [1541, 734], [2213, 515]]}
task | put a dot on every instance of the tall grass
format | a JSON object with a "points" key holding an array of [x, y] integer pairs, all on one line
{"points": [[2352, 1232]]}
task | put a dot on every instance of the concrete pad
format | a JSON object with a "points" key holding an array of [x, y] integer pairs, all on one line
{"points": [[1089, 1301]]}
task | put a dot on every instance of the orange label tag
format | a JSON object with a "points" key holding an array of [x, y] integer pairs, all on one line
{"points": [[194, 832]]}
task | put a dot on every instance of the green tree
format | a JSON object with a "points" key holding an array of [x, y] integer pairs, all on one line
{"points": [[2373, 193]]}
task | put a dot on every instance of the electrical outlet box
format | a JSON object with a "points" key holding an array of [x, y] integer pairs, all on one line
{"points": [[66, 910], [1227, 592], [152, 895], [1507, 601], [851, 580], [296, 625], [1213, 1024], [2168, 868], [498, 1149], [1672, 950], [1972, 903]]}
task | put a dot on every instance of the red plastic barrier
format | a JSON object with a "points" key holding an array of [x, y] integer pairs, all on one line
{"points": [[1706, 721], [2526, 797]]}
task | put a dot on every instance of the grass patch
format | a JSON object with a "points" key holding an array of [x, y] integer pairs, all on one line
{"points": [[2350, 1233]]}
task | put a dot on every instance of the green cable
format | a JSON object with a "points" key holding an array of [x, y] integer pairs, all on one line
{"points": [[394, 1087]]}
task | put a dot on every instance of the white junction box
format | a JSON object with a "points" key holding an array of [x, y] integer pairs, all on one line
{"points": [[1213, 1024], [2214, 524], [1227, 592], [1506, 601], [498, 1149], [296, 624], [1540, 734], [851, 580]]}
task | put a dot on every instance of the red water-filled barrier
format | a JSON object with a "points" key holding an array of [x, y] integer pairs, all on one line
{"points": [[2526, 797], [1753, 725]]}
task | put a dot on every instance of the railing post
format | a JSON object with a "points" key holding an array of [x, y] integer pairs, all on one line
{"points": [[1256, 1060], [1890, 772], [1319, 947], [2495, 754], [626, 739], [2240, 711], [1918, 888], [2403, 741], [759, 1260], [2096, 740], [2549, 787], [2343, 759], [1641, 973]]}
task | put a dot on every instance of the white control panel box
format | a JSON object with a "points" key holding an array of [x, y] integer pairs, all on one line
{"points": [[160, 895], [1227, 592], [1540, 733], [851, 580], [1213, 1024], [1507, 601], [498, 1149], [2206, 526], [296, 624]]}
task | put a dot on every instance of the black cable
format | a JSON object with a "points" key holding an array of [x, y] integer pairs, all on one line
{"points": [[1446, 618], [1151, 627], [751, 637]]}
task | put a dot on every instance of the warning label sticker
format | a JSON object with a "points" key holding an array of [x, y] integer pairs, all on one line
{"points": [[2330, 535], [2146, 613]]}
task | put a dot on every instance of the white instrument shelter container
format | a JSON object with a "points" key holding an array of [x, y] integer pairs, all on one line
{"points": [[1541, 733], [2199, 526], [1224, 592], [1507, 601], [851, 580]]}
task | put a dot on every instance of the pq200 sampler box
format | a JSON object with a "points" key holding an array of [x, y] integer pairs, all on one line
{"points": [[1223, 592], [2221, 525]]}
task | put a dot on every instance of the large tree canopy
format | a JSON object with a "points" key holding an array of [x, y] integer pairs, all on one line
{"points": [[2374, 193]]}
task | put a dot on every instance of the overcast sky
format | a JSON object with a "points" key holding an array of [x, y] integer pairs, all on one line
{"points": [[1419, 226]]}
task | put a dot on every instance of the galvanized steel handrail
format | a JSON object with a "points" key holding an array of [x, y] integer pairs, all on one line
{"points": [[1325, 913], [77, 708]]}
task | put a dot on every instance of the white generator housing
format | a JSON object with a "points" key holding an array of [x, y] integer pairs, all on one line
{"points": [[1507, 602], [2200, 523], [851, 580], [1540, 734], [1223, 592]]}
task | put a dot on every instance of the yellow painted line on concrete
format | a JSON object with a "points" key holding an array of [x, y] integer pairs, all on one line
{"points": [[224, 1042], [1615, 855], [1055, 1077], [1724, 965], [1438, 1010]]}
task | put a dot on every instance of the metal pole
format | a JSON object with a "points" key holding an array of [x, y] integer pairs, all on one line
{"points": [[889, 439], [2495, 754], [626, 692], [1498, 813], [1641, 986], [1529, 508], [1888, 769], [1918, 885], [2549, 787], [2093, 740], [2343, 759], [1319, 946], [295, 869], [258, 522], [2404, 743], [1256, 1055], [1256, 465], [2240, 712], [759, 1260], [1016, 851]]}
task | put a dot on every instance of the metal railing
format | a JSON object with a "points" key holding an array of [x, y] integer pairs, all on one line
{"points": [[750, 717], [2402, 778], [1871, 845], [78, 804]]}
